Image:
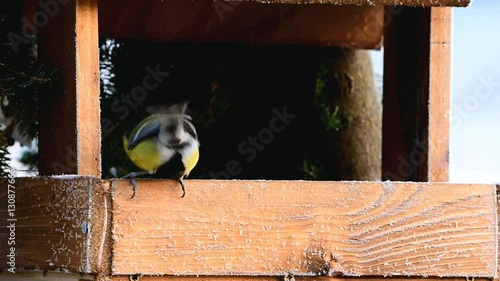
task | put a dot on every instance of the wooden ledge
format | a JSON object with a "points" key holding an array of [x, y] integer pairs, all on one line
{"points": [[278, 278], [309, 228], [249, 228]]}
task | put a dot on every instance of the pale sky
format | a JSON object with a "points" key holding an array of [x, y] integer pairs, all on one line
{"points": [[476, 93]]}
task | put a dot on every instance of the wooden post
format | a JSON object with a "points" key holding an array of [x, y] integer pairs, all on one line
{"points": [[69, 136], [416, 102], [439, 95], [56, 224]]}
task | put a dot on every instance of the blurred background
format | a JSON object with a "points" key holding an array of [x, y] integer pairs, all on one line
{"points": [[475, 114]]}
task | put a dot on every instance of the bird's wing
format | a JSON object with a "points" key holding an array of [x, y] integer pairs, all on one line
{"points": [[147, 128]]}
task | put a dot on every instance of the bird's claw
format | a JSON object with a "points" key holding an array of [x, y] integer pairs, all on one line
{"points": [[133, 180], [134, 186], [134, 183], [183, 187]]}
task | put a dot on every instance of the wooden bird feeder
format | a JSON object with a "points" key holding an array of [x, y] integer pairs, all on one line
{"points": [[257, 230]]}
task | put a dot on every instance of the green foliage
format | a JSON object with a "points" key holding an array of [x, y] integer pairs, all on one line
{"points": [[29, 158], [22, 90], [323, 100], [22, 81], [114, 159], [312, 170], [330, 119]]}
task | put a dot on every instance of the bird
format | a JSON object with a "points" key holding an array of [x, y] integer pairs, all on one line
{"points": [[165, 142]]}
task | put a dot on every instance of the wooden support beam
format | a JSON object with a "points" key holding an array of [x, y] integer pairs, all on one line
{"points": [[69, 131], [38, 275], [439, 106], [308, 228], [244, 22], [415, 127], [53, 224], [410, 3]]}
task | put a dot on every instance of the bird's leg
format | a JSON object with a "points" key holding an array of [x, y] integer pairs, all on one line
{"points": [[183, 187], [132, 177]]}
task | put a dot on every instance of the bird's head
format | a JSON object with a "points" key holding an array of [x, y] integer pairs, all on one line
{"points": [[172, 124]]}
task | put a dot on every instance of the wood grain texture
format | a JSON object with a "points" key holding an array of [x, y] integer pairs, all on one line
{"points": [[439, 95], [39, 276], [277, 278], [48, 217], [69, 134], [243, 22], [88, 112], [309, 228], [410, 3]]}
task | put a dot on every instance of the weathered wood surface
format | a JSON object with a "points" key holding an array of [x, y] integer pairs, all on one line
{"points": [[48, 220], [243, 22], [69, 134], [278, 278], [416, 124], [439, 106], [39, 276], [410, 3], [309, 228]]}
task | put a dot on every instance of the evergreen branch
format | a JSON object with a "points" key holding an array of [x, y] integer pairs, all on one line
{"points": [[33, 78], [4, 165]]}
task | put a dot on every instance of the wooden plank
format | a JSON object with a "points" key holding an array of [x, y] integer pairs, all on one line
{"points": [[69, 136], [410, 3], [100, 244], [275, 278], [415, 130], [439, 96], [245, 22], [48, 223], [309, 228], [49, 276]]}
